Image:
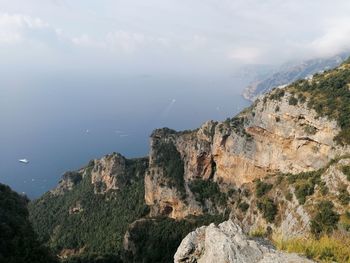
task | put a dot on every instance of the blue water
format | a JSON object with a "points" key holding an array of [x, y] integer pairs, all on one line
{"points": [[61, 121]]}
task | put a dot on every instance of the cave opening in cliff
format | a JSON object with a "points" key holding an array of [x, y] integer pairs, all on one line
{"points": [[213, 169]]}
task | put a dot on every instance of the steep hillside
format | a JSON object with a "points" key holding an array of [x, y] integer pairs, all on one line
{"points": [[96, 214], [280, 169], [18, 242], [90, 210], [291, 72]]}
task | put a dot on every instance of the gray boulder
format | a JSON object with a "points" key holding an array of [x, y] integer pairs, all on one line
{"points": [[226, 243]]}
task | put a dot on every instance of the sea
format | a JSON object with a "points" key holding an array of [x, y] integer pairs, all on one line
{"points": [[60, 121]]}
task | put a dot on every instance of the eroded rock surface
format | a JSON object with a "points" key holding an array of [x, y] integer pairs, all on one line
{"points": [[226, 243]]}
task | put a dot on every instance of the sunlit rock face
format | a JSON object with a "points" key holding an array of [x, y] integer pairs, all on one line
{"points": [[271, 136]]}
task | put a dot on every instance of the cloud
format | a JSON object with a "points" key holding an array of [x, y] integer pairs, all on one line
{"points": [[246, 55], [120, 41], [87, 41], [18, 28], [336, 38]]}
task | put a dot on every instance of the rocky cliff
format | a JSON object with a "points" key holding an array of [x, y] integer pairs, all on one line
{"points": [[280, 168], [273, 136]]}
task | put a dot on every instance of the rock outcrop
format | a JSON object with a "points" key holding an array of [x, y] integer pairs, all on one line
{"points": [[226, 243], [272, 136], [108, 173]]}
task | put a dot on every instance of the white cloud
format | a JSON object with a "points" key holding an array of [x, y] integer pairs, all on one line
{"points": [[124, 41], [87, 41], [336, 38], [121, 41], [247, 55], [19, 28]]}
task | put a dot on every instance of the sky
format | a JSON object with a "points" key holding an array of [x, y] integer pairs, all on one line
{"points": [[167, 36]]}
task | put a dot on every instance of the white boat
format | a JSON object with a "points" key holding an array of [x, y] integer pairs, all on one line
{"points": [[25, 161]]}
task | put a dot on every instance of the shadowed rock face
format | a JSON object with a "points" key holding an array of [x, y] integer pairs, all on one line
{"points": [[226, 243]]}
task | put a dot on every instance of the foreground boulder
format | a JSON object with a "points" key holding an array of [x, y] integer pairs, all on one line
{"points": [[226, 243]]}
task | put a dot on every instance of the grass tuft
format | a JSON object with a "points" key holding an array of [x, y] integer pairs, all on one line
{"points": [[335, 248]]}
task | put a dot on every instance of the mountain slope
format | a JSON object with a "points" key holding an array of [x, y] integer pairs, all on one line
{"points": [[289, 73], [91, 208], [280, 168], [18, 242]]}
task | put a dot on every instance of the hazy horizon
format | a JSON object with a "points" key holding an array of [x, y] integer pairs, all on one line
{"points": [[83, 78]]}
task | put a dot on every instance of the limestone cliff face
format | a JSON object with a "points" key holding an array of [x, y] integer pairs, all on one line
{"points": [[108, 173], [271, 136]]}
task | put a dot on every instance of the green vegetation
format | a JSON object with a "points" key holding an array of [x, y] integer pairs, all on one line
{"points": [[305, 183], [18, 242], [208, 190], [237, 125], [310, 130], [268, 208], [170, 159], [101, 225], [293, 101], [258, 232], [335, 248], [343, 195], [346, 171], [277, 95], [302, 190], [289, 196], [243, 206], [329, 96], [325, 220], [344, 221], [94, 258], [156, 240], [262, 188]]}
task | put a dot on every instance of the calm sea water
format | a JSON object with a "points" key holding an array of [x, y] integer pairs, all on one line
{"points": [[60, 122]]}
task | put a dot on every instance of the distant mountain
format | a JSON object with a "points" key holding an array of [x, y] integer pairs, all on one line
{"points": [[291, 72]]}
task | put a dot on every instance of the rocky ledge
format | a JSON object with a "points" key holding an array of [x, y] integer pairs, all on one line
{"points": [[226, 243]]}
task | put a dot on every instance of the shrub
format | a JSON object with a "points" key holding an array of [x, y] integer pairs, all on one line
{"points": [[289, 196], [243, 207], [310, 130], [277, 95], [268, 208], [303, 190], [346, 171], [293, 101], [261, 188], [325, 221], [208, 190], [170, 159], [258, 232], [323, 188], [343, 195]]}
